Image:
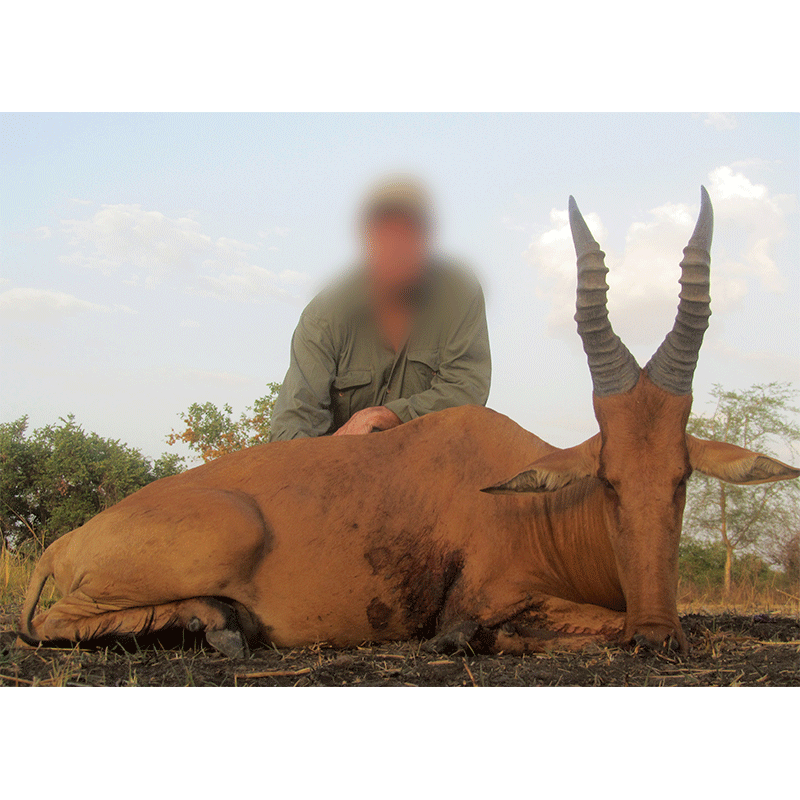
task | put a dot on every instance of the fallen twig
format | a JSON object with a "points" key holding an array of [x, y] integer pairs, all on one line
{"points": [[794, 642], [274, 673], [18, 680], [469, 672]]}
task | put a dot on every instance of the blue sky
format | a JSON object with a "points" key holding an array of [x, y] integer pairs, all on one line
{"points": [[149, 261]]}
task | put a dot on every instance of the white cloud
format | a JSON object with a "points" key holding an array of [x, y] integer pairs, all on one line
{"points": [[720, 121], [148, 248], [189, 323], [752, 213], [729, 185], [643, 279], [41, 304], [249, 282], [123, 236], [43, 232]]}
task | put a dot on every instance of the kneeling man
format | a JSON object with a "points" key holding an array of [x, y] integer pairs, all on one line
{"points": [[402, 335]]}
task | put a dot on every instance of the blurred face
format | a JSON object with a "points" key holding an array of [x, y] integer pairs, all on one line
{"points": [[396, 251]]}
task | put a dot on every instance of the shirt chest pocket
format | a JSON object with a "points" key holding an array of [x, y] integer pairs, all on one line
{"points": [[351, 392], [421, 368]]}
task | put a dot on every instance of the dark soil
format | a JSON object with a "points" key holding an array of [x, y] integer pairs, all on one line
{"points": [[726, 650]]}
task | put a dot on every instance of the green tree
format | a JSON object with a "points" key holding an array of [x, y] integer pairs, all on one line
{"points": [[21, 461], [212, 432], [60, 476], [745, 518], [167, 464], [784, 549], [702, 563]]}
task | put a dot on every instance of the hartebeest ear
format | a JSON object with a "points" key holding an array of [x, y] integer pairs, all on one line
{"points": [[734, 464], [554, 471]]}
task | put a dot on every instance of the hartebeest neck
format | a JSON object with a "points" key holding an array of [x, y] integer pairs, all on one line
{"points": [[567, 543]]}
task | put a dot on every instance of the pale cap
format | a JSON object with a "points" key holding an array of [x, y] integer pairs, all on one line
{"points": [[398, 194]]}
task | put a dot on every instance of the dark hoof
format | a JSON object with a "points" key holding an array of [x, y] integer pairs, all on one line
{"points": [[508, 629], [453, 640], [670, 644], [25, 641], [228, 642]]}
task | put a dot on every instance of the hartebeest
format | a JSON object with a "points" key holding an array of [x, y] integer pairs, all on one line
{"points": [[395, 535]]}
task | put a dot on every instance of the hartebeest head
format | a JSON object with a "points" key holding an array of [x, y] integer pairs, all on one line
{"points": [[642, 455]]}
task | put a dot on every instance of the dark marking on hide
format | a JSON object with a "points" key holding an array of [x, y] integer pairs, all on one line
{"points": [[378, 558], [378, 614], [420, 572], [425, 588]]}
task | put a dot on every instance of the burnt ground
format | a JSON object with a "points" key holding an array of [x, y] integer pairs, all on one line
{"points": [[726, 650]]}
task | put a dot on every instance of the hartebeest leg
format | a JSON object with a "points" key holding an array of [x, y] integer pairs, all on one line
{"points": [[472, 627], [534, 624], [75, 619], [558, 624], [459, 637]]}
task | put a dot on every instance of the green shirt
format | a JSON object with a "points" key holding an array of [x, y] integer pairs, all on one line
{"points": [[339, 365]]}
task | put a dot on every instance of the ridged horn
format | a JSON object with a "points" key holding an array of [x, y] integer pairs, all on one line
{"points": [[672, 367], [614, 370]]}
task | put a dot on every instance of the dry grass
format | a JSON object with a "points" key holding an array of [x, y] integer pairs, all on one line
{"points": [[746, 597], [15, 574]]}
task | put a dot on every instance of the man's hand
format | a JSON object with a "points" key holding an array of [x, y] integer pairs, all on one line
{"points": [[370, 419]]}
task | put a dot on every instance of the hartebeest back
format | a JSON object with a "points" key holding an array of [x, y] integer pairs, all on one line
{"points": [[389, 536]]}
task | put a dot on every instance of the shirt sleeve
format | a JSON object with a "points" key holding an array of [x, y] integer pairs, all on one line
{"points": [[303, 406], [465, 368]]}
